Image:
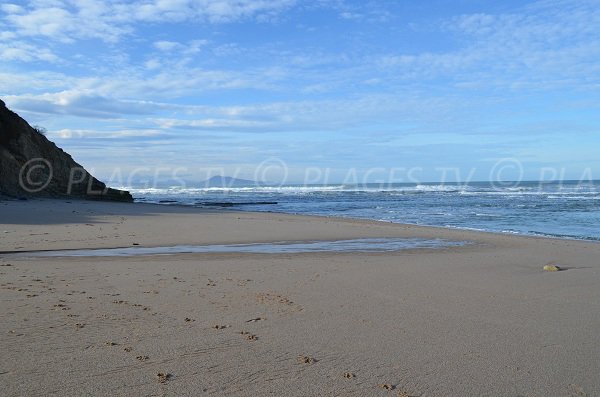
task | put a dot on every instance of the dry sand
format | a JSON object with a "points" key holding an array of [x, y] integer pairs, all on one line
{"points": [[480, 320]]}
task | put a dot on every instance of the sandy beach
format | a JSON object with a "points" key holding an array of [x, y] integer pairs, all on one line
{"points": [[478, 320]]}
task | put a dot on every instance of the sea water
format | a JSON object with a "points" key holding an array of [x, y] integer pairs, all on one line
{"points": [[568, 209]]}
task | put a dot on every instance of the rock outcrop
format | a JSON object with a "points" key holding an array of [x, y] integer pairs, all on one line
{"points": [[32, 166]]}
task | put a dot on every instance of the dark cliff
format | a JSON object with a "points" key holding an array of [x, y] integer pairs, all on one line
{"points": [[32, 166]]}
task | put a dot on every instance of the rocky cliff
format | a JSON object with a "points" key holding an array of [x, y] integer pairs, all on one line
{"points": [[32, 166]]}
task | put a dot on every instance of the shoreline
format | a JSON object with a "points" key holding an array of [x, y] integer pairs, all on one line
{"points": [[62, 209], [482, 319], [339, 217]]}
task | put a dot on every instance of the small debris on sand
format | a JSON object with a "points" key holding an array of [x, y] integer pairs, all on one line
{"points": [[306, 360], [252, 320], [189, 320], [142, 358], [111, 344], [251, 337], [128, 349], [349, 375], [387, 386], [163, 377], [79, 325], [220, 326]]}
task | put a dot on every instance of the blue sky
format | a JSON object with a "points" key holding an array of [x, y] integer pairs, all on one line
{"points": [[324, 90]]}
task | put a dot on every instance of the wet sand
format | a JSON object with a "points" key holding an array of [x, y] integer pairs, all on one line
{"points": [[482, 319]]}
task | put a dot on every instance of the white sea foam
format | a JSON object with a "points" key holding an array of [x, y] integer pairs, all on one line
{"points": [[558, 210]]}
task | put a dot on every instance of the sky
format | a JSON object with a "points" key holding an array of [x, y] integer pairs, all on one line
{"points": [[320, 91]]}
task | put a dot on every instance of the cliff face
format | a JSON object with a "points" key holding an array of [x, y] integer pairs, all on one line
{"points": [[32, 166]]}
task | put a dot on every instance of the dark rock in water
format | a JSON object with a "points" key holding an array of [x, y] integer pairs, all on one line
{"points": [[32, 166]]}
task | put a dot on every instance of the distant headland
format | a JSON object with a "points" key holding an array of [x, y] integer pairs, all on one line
{"points": [[33, 166]]}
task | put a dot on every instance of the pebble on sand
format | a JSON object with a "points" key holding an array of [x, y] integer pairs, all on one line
{"points": [[552, 268]]}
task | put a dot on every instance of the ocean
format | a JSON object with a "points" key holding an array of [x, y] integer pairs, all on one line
{"points": [[565, 209]]}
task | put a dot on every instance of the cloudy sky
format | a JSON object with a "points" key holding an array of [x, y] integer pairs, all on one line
{"points": [[319, 87]]}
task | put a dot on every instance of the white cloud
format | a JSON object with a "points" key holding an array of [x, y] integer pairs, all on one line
{"points": [[12, 8], [350, 15], [67, 133], [15, 83], [6, 35], [546, 45], [108, 21], [24, 52], [164, 45], [83, 103], [194, 46], [67, 22], [317, 115], [152, 64], [172, 81], [211, 123]]}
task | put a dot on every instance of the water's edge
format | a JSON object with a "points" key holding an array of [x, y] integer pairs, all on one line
{"points": [[563, 209], [283, 247]]}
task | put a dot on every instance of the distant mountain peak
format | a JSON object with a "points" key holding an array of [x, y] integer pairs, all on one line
{"points": [[228, 181]]}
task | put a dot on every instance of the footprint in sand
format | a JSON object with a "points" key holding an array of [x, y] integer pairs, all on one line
{"points": [[282, 301], [349, 375], [387, 386], [220, 326], [577, 391], [142, 358]]}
